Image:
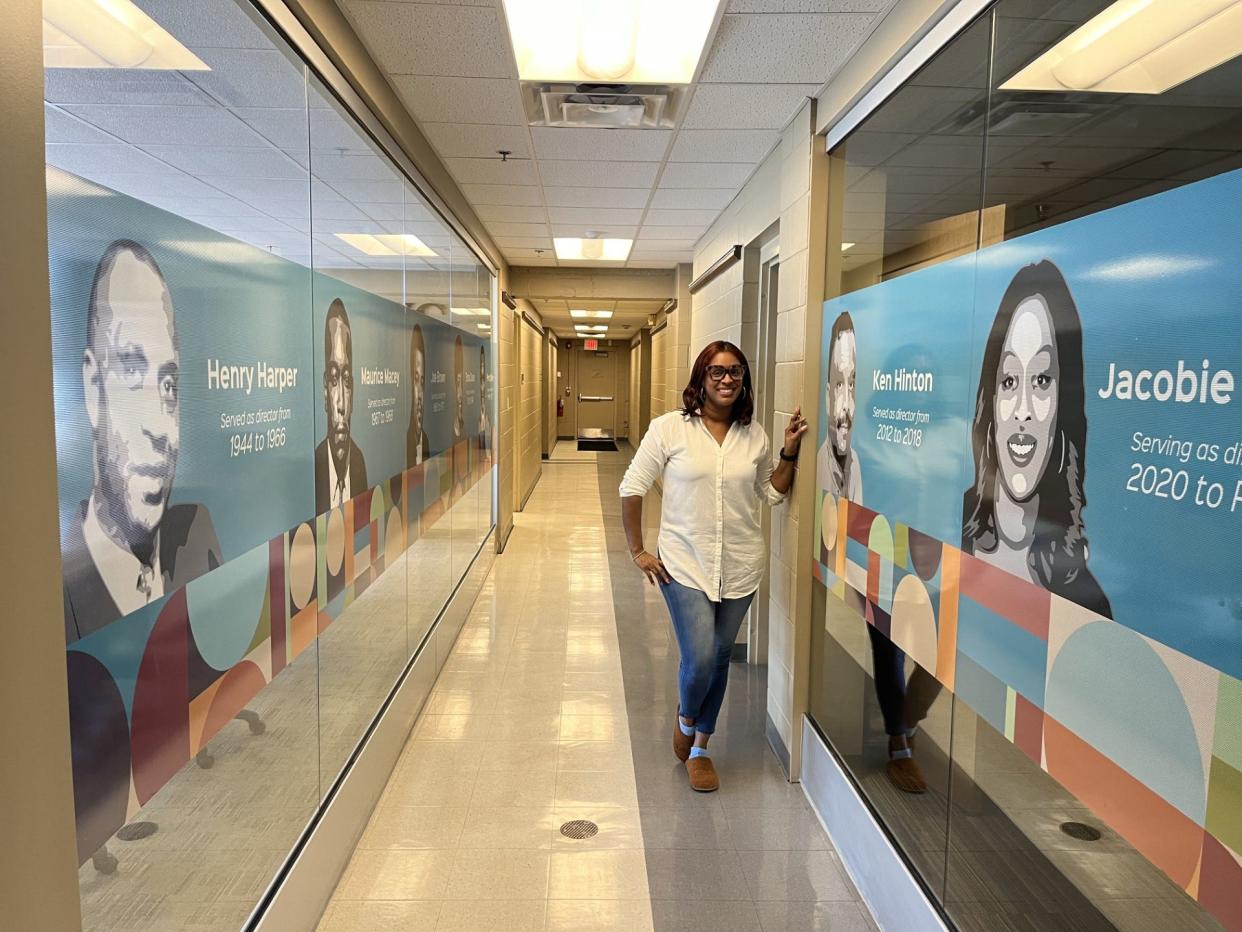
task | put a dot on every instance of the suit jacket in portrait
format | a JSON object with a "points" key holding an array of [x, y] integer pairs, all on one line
{"points": [[413, 446], [357, 475], [188, 549]]}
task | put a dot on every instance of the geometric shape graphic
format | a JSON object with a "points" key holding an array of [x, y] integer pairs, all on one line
{"points": [[1008, 652], [880, 540], [828, 522], [99, 743], [1018, 600], [225, 605], [1220, 880], [159, 732], [1162, 833], [238, 686], [1028, 728], [946, 668], [1227, 743], [1110, 688], [302, 567], [924, 553], [914, 622], [278, 602], [303, 628], [394, 541], [1224, 806], [335, 550]]}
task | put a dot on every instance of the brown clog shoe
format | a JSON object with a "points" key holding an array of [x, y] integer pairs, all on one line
{"points": [[703, 777], [681, 743], [905, 774]]}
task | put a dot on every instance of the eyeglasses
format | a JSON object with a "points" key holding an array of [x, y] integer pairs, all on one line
{"points": [[716, 373]]}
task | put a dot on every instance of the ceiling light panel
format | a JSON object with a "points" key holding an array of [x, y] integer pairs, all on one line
{"points": [[591, 328], [603, 250], [629, 41], [590, 315], [110, 34], [406, 244], [1138, 47]]}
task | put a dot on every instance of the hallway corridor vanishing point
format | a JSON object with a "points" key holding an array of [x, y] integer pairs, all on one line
{"points": [[557, 704]]}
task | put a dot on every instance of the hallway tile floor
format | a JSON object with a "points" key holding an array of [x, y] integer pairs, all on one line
{"points": [[555, 705]]}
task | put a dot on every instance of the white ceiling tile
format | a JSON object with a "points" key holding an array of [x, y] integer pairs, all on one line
{"points": [[257, 189], [596, 197], [143, 186], [416, 38], [59, 126], [121, 86], [616, 145], [524, 242], [333, 165], [516, 252], [442, 99], [492, 171], [802, 49], [646, 242], [208, 25], [245, 162], [585, 229], [501, 228], [477, 141], [385, 212], [723, 145], [746, 106], [286, 129], [653, 263], [706, 174], [370, 192], [665, 233], [807, 6], [599, 216], [679, 218], [175, 126], [251, 78], [503, 195], [89, 159], [489, 212], [539, 262], [557, 173], [693, 198]]}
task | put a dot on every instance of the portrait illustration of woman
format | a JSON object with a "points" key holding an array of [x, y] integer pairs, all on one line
{"points": [[1024, 511]]}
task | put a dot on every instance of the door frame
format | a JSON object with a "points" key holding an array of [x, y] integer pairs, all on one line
{"points": [[764, 375]]}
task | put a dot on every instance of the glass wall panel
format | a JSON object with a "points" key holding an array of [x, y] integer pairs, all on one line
{"points": [[359, 331], [1076, 627], [907, 182], [179, 241], [430, 577], [256, 375]]}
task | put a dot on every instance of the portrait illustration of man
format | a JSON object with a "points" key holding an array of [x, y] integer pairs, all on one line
{"points": [[459, 390], [417, 446], [340, 470], [1024, 511], [836, 468], [126, 545]]}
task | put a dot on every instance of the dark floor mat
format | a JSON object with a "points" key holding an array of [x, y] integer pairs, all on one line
{"points": [[597, 446]]}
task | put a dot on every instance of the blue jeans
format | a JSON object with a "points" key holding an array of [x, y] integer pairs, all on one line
{"points": [[705, 632]]}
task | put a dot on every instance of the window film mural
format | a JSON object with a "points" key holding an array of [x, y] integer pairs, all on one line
{"points": [[274, 410], [1027, 643]]}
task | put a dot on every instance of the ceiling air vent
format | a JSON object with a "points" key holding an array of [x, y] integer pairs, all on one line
{"points": [[607, 106]]}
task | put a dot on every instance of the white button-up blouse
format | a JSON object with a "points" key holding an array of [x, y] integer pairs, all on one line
{"points": [[710, 535]]}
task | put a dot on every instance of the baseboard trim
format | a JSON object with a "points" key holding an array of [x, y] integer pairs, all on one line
{"points": [[891, 891], [300, 893], [776, 743]]}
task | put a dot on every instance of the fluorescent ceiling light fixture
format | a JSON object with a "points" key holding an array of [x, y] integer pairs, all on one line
{"points": [[1138, 47], [110, 34], [591, 328], [471, 311], [590, 315], [387, 245], [485, 326], [847, 246], [625, 41], [605, 250]]}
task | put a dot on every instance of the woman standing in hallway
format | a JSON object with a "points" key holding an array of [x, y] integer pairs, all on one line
{"points": [[717, 471]]}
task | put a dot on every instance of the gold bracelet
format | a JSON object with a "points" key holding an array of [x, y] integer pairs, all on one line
{"points": [[634, 556]]}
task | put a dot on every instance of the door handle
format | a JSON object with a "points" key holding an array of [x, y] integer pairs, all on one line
{"points": [[595, 398]]}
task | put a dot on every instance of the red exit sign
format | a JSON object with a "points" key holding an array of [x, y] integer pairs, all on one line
{"points": [[590, 344]]}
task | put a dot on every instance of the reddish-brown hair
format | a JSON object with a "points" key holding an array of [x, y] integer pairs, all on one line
{"points": [[692, 398]]}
